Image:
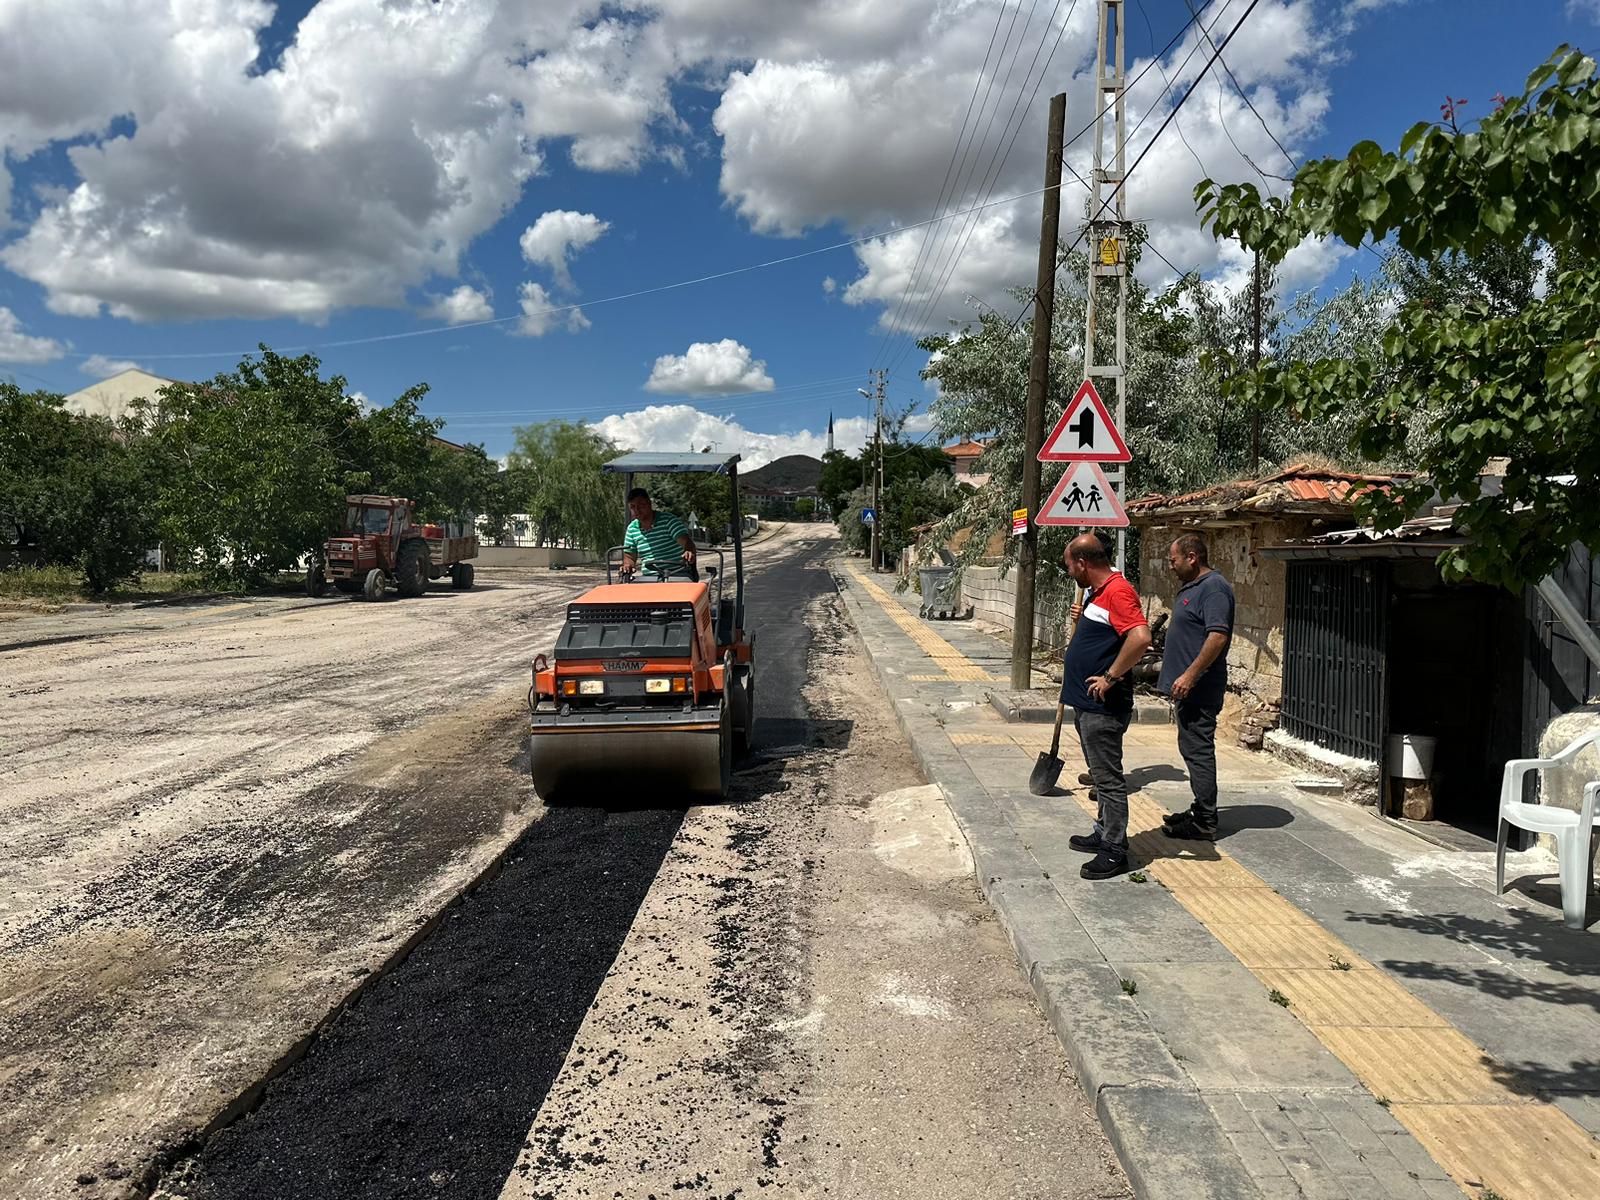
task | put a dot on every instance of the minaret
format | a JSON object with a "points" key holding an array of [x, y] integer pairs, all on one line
{"points": [[830, 433]]}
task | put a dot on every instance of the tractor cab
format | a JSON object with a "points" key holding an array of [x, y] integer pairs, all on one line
{"points": [[651, 676]]}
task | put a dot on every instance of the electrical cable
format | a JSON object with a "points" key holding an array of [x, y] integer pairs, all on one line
{"points": [[945, 265], [946, 195]]}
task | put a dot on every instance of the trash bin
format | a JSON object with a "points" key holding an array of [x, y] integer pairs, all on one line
{"points": [[941, 594]]}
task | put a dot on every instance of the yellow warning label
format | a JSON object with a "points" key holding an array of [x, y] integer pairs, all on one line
{"points": [[1110, 252]]}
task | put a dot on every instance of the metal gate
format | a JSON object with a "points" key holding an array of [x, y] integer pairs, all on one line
{"points": [[1336, 654]]}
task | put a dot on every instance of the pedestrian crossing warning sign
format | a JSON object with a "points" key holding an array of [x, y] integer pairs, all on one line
{"points": [[1085, 433], [1083, 497]]}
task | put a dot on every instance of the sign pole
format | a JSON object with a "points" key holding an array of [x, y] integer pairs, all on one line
{"points": [[1044, 303]]}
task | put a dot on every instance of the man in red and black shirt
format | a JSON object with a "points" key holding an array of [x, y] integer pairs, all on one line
{"points": [[1096, 682]]}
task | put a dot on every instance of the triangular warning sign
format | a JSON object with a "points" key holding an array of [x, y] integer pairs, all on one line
{"points": [[1083, 497], [1085, 433]]}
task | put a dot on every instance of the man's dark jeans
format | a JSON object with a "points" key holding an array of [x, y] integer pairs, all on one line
{"points": [[1100, 735], [1197, 742]]}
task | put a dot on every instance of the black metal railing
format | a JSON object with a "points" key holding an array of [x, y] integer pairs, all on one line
{"points": [[1335, 656]]}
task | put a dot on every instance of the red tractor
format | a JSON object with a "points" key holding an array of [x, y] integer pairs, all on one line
{"points": [[383, 544]]}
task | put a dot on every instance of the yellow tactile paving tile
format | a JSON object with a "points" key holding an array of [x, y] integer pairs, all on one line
{"points": [[1240, 906], [1420, 1066], [956, 665], [1326, 996], [1518, 1150], [982, 739], [1284, 945], [1193, 872]]}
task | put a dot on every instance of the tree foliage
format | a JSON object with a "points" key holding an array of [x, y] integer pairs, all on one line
{"points": [[1180, 425], [568, 497], [1499, 362], [78, 488], [254, 464]]}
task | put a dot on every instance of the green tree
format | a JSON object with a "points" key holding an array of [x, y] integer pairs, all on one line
{"points": [[1498, 369], [254, 464], [460, 482], [79, 486], [509, 492], [569, 497]]}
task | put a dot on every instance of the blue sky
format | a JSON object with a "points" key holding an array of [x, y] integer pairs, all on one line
{"points": [[181, 187]]}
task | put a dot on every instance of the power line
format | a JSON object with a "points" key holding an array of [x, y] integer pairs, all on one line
{"points": [[945, 265], [997, 163], [946, 194]]}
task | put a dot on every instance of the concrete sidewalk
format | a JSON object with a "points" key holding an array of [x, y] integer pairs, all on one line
{"points": [[1320, 1004]]}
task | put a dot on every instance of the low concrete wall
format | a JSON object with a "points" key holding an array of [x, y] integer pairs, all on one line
{"points": [[531, 556]]}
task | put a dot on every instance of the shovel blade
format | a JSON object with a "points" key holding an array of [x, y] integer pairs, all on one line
{"points": [[1046, 770]]}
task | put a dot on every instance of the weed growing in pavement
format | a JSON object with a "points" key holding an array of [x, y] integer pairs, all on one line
{"points": [[1278, 998], [1130, 987], [1137, 877], [1338, 963], [1383, 1102], [1490, 1194]]}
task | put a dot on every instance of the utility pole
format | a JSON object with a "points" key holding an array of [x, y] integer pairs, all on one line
{"points": [[877, 478], [1255, 362], [1108, 235], [1044, 303]]}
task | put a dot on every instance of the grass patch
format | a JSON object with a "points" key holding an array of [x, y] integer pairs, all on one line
{"points": [[1137, 877], [1278, 998], [33, 587], [1130, 988]]}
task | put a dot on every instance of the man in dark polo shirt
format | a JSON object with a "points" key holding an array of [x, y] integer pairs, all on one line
{"points": [[1095, 681], [1194, 672]]}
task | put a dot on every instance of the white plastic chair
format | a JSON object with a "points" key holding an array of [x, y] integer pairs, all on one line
{"points": [[1573, 831]]}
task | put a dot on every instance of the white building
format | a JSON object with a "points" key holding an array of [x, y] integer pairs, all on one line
{"points": [[114, 396]]}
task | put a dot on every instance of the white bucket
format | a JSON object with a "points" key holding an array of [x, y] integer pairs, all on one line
{"points": [[1411, 756]]}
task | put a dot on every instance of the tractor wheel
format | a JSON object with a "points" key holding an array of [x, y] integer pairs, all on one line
{"points": [[461, 576], [411, 568], [373, 588], [316, 580]]}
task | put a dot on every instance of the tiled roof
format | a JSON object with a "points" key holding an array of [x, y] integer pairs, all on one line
{"points": [[1301, 484], [964, 449]]}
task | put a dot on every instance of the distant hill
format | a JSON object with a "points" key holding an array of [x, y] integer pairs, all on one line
{"points": [[790, 473]]}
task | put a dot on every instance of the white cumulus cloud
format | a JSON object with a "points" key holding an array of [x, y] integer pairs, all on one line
{"points": [[556, 236], [19, 347], [541, 313], [464, 305], [102, 367], [723, 368]]}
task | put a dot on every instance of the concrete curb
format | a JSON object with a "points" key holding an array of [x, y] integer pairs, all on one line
{"points": [[1169, 1142], [1037, 708]]}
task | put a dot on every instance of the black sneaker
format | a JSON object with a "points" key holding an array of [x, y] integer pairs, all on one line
{"points": [[1085, 778], [1192, 830], [1089, 843], [1105, 865]]}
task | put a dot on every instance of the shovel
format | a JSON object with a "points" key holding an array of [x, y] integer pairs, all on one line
{"points": [[1048, 767]]}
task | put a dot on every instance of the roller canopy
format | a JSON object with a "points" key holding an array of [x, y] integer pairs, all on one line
{"points": [[652, 463]]}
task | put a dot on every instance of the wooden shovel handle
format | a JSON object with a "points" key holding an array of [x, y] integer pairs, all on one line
{"points": [[1055, 741]]}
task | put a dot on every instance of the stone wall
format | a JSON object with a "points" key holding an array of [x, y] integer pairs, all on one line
{"points": [[1255, 656]]}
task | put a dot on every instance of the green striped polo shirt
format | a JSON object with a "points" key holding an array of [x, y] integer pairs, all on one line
{"points": [[659, 543]]}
